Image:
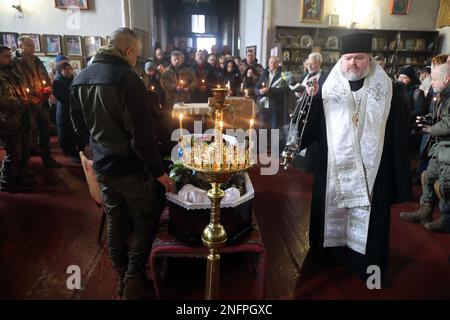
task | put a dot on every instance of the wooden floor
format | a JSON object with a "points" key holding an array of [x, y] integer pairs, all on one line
{"points": [[54, 225]]}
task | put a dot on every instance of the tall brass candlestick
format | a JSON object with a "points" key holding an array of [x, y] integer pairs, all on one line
{"points": [[214, 235]]}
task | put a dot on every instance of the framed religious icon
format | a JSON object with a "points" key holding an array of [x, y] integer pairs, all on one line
{"points": [[311, 10], [37, 41], [332, 42], [52, 44], [286, 56], [306, 41], [77, 64], [92, 44], [9, 39], [77, 4], [420, 45], [400, 6], [444, 14], [73, 45]]}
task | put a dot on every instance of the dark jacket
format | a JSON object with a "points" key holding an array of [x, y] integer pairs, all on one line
{"points": [[206, 80], [278, 89], [109, 100], [13, 112]]}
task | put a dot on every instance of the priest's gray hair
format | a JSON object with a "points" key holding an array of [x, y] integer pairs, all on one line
{"points": [[124, 38], [316, 56]]}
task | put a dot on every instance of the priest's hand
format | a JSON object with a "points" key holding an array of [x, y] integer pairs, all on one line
{"points": [[168, 183]]}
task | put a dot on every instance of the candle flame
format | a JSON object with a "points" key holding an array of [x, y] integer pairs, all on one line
{"points": [[28, 90], [252, 122], [221, 125], [181, 117], [44, 82], [153, 88]]}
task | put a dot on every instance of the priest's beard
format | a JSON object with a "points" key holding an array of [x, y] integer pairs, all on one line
{"points": [[353, 75]]}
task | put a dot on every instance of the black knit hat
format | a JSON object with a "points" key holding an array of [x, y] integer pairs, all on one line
{"points": [[357, 42], [409, 71]]}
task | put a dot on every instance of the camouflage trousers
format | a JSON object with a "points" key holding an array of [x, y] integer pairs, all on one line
{"points": [[17, 148], [437, 171]]}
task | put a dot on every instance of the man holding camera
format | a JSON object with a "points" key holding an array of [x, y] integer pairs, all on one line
{"points": [[439, 166]]}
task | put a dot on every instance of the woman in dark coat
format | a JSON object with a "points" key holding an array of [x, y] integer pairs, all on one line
{"points": [[69, 141], [232, 77]]}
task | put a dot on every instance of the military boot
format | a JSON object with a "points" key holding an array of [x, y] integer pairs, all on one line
{"points": [[421, 215], [437, 225], [137, 287]]}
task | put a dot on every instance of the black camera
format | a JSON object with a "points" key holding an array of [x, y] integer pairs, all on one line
{"points": [[426, 120], [421, 122]]}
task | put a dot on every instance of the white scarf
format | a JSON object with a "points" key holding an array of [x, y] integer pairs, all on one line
{"points": [[354, 154]]}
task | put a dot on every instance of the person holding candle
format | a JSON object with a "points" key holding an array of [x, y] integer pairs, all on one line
{"points": [[33, 72], [271, 91], [178, 82], [14, 125], [153, 80], [127, 161], [249, 83], [231, 78], [206, 79]]}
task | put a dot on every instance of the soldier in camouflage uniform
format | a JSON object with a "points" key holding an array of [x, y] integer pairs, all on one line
{"points": [[14, 125], [36, 78], [439, 166]]}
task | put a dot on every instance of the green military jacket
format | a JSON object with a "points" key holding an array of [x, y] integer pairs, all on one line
{"points": [[12, 95], [169, 81], [441, 131], [32, 76]]}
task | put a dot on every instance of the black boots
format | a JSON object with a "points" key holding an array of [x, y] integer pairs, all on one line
{"points": [[137, 287], [422, 215], [437, 225]]}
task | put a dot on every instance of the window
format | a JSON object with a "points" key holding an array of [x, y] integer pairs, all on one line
{"points": [[205, 43], [198, 23]]}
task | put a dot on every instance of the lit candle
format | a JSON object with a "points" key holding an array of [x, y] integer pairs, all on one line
{"points": [[250, 140], [228, 85], [246, 93], [27, 90], [263, 85], [203, 81], [218, 86], [44, 82], [220, 145], [181, 126], [182, 83], [153, 88]]}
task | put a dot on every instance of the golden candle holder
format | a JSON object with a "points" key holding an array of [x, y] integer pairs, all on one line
{"points": [[217, 166]]}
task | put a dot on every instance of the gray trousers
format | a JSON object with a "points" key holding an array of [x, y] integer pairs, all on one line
{"points": [[133, 205]]}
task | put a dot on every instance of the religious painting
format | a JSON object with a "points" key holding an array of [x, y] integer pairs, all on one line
{"points": [[400, 6], [77, 64], [73, 46], [9, 39], [37, 41], [312, 10], [66, 4], [52, 44], [444, 14], [92, 45]]}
